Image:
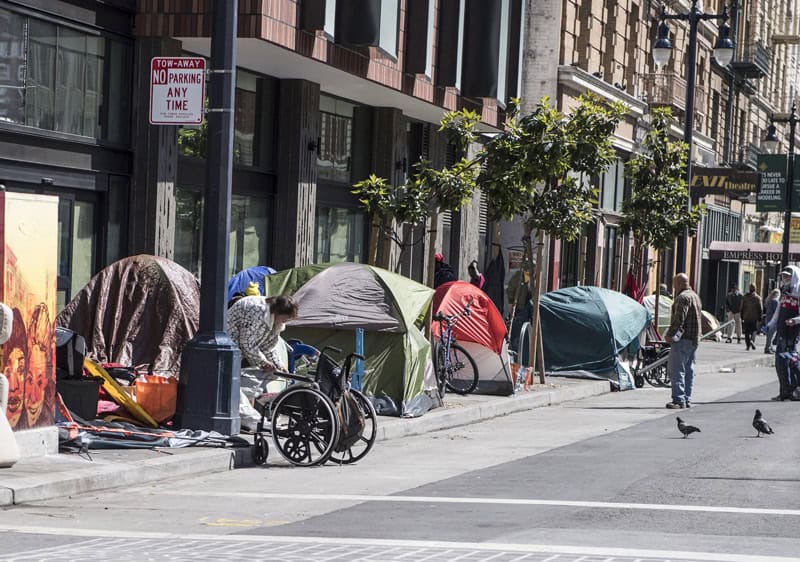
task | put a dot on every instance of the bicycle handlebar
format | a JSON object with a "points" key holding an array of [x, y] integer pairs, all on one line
{"points": [[452, 319]]}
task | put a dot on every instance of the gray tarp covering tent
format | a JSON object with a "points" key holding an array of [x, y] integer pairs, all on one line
{"points": [[710, 323], [334, 300], [139, 310], [585, 328]]}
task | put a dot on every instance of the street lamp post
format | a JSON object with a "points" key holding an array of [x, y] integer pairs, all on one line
{"points": [[208, 389], [723, 52], [771, 141]]}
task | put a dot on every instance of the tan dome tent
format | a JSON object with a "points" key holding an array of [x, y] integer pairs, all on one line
{"points": [[334, 300]]}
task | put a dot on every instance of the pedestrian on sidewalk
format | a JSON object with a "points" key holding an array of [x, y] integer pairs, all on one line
{"points": [[442, 271], [475, 276], [751, 314], [786, 323], [255, 324], [769, 310], [733, 311], [683, 335]]}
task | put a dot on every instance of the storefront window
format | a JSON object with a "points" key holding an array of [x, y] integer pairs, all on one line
{"points": [[249, 233], [188, 224], [54, 77], [340, 235], [336, 135], [248, 236]]}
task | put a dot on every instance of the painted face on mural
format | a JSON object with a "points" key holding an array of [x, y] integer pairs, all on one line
{"points": [[15, 368], [35, 384], [15, 371], [39, 361]]}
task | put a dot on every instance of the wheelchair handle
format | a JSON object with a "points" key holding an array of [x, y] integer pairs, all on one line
{"points": [[336, 350]]}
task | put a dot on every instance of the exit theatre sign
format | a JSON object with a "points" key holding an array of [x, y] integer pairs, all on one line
{"points": [[177, 90], [724, 181]]}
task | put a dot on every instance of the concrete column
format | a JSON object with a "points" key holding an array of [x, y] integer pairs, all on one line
{"points": [[296, 194], [155, 160], [389, 154]]}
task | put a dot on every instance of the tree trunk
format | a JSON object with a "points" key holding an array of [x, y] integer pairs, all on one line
{"points": [[386, 250], [658, 292], [374, 237], [535, 285], [431, 246]]}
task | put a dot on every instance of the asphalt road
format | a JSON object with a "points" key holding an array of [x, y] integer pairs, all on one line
{"points": [[607, 478]]}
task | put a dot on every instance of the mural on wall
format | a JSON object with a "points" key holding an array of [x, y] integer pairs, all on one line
{"points": [[29, 246]]}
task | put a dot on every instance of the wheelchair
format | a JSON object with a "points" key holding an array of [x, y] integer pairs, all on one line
{"points": [[311, 421], [650, 365]]}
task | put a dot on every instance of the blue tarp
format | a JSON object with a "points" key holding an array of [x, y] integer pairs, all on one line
{"points": [[239, 282], [585, 328]]}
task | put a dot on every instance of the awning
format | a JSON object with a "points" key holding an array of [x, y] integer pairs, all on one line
{"points": [[751, 251]]}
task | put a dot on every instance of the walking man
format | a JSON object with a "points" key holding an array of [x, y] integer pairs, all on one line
{"points": [[683, 336], [751, 314], [733, 311]]}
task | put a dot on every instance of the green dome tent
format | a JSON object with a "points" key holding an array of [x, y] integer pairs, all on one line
{"points": [[585, 328], [334, 300]]}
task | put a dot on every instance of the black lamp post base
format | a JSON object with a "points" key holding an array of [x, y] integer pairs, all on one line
{"points": [[208, 390]]}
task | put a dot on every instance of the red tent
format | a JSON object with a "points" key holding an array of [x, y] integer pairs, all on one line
{"points": [[484, 325], [482, 333]]}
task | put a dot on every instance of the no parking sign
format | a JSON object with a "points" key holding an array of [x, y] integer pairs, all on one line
{"points": [[177, 90]]}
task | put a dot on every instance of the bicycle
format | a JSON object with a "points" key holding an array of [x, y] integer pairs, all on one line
{"points": [[455, 368]]}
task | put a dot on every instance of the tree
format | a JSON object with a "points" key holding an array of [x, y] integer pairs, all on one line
{"points": [[426, 193], [535, 169], [655, 213]]}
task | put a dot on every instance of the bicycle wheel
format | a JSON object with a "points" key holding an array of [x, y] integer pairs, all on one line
{"points": [[438, 368], [304, 426], [366, 440], [461, 372]]}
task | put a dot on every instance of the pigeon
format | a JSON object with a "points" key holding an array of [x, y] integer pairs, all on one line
{"points": [[686, 429], [761, 425]]}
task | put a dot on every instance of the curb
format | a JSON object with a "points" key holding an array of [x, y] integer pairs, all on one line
{"points": [[105, 474], [763, 360], [447, 419]]}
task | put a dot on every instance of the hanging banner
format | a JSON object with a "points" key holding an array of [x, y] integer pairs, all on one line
{"points": [[772, 194]]}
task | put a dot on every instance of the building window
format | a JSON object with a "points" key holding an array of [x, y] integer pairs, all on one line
{"points": [[336, 139], [244, 130], [77, 246], [610, 258], [340, 235], [612, 187], [54, 77], [248, 236]]}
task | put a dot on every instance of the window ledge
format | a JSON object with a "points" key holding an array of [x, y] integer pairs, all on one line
{"points": [[57, 135]]}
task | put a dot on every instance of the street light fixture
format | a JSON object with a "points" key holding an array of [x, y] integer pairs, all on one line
{"points": [[771, 142], [723, 52]]}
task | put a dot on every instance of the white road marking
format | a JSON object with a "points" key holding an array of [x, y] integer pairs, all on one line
{"points": [[392, 543], [490, 501]]}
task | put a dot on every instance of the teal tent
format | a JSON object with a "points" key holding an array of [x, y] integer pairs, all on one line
{"points": [[334, 300], [585, 328]]}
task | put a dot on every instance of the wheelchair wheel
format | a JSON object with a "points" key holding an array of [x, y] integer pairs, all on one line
{"points": [[304, 426], [260, 449], [659, 376], [360, 448]]}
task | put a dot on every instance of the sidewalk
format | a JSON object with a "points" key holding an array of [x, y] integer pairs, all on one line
{"points": [[43, 478]]}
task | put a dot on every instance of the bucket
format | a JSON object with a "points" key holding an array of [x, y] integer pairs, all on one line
{"points": [[80, 396]]}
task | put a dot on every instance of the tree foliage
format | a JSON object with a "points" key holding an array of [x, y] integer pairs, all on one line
{"points": [[656, 212], [427, 189], [534, 167]]}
